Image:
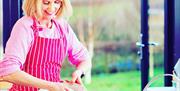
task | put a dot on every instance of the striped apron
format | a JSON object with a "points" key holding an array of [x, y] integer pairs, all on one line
{"points": [[44, 59]]}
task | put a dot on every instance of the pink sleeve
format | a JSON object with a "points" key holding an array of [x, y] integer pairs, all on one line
{"points": [[16, 48], [76, 51]]}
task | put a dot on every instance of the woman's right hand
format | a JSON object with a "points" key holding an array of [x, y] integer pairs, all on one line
{"points": [[57, 86]]}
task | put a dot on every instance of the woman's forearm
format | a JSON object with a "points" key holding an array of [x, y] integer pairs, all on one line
{"points": [[85, 66], [22, 78]]}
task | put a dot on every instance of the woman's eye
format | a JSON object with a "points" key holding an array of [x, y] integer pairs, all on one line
{"points": [[57, 1], [46, 2]]}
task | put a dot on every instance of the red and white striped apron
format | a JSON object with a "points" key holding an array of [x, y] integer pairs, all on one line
{"points": [[44, 59]]}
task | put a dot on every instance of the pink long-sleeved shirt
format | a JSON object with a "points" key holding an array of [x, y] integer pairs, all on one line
{"points": [[21, 39]]}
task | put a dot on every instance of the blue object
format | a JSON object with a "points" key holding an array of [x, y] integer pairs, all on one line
{"points": [[11, 13]]}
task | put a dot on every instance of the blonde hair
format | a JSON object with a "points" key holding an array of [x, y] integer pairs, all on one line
{"points": [[33, 8]]}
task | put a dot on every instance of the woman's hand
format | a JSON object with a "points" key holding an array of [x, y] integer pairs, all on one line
{"points": [[56, 86], [74, 86], [1, 79], [76, 77]]}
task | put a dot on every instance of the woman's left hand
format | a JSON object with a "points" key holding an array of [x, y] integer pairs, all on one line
{"points": [[76, 77]]}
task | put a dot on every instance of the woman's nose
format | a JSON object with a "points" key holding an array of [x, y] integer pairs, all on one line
{"points": [[51, 7]]}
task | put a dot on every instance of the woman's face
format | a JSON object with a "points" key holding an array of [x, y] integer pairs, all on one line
{"points": [[50, 8]]}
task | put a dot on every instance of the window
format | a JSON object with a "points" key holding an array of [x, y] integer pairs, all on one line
{"points": [[1, 28]]}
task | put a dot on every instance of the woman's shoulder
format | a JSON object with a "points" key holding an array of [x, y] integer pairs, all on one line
{"points": [[25, 20], [23, 25], [61, 21]]}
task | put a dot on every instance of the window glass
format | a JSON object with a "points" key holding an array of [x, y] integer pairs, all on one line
{"points": [[156, 39], [110, 30]]}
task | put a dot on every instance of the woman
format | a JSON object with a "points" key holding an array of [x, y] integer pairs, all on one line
{"points": [[38, 44]]}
